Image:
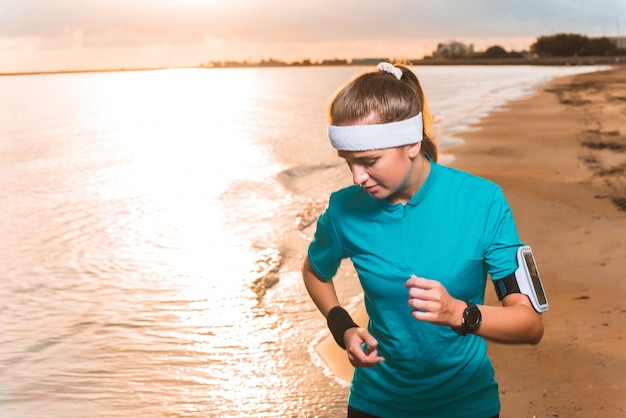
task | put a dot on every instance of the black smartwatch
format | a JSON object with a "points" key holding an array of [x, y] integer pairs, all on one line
{"points": [[470, 321]]}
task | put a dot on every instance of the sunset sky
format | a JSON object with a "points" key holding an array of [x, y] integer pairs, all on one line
{"points": [[51, 35]]}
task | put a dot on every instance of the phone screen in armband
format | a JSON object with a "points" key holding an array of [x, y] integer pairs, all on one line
{"points": [[528, 279]]}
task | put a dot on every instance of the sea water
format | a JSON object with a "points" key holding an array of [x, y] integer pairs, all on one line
{"points": [[153, 225]]}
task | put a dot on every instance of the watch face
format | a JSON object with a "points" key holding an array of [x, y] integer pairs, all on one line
{"points": [[472, 317]]}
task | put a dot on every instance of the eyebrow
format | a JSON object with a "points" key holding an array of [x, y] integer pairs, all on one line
{"points": [[343, 155]]}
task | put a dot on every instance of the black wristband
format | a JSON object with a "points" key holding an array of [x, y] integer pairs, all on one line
{"points": [[339, 321]]}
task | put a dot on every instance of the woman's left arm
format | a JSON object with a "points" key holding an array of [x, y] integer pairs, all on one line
{"points": [[515, 322]]}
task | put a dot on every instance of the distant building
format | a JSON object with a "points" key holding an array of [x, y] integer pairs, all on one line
{"points": [[335, 61], [618, 41], [454, 49], [368, 61]]}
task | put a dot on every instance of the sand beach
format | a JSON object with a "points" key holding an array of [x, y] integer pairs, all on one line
{"points": [[560, 157]]}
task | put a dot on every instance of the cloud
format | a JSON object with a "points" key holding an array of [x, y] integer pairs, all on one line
{"points": [[117, 22], [58, 34]]}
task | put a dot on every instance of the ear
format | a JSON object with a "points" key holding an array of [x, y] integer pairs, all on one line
{"points": [[414, 149]]}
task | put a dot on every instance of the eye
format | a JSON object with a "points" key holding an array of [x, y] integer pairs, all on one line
{"points": [[368, 162], [361, 162]]}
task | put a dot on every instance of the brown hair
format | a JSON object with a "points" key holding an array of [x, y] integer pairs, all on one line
{"points": [[382, 96]]}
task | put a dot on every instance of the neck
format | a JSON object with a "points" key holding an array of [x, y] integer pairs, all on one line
{"points": [[420, 168]]}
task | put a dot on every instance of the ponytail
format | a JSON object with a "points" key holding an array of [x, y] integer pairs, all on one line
{"points": [[429, 147]]}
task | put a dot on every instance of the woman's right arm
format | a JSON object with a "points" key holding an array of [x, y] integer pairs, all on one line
{"points": [[322, 292], [324, 296]]}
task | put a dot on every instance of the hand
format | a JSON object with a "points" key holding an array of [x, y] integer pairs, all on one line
{"points": [[361, 348], [431, 302]]}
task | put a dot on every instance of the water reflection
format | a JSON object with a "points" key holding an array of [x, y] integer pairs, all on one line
{"points": [[139, 252]]}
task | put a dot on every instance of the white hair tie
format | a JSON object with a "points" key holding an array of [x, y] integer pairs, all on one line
{"points": [[390, 68]]}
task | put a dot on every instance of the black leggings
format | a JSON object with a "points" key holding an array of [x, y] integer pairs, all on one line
{"points": [[355, 413]]}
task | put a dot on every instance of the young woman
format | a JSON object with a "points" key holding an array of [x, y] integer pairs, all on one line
{"points": [[423, 238]]}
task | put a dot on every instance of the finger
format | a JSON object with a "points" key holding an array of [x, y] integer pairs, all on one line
{"points": [[412, 280], [418, 293], [423, 303], [419, 282], [372, 361], [367, 349], [373, 355], [421, 315], [369, 341], [364, 356], [366, 337], [369, 360]]}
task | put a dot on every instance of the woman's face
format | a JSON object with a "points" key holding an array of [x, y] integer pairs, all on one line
{"points": [[385, 173]]}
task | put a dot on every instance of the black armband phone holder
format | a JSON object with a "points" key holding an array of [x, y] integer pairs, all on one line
{"points": [[525, 280], [506, 286], [339, 321]]}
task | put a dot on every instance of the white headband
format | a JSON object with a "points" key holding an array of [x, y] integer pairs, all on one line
{"points": [[378, 136]]}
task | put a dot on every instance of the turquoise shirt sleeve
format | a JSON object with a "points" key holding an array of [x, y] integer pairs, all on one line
{"points": [[325, 251], [501, 239]]}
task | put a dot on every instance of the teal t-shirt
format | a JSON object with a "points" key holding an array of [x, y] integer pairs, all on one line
{"points": [[456, 229]]}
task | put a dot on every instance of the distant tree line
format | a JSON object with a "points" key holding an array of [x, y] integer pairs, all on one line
{"points": [[562, 45], [568, 45], [496, 51]]}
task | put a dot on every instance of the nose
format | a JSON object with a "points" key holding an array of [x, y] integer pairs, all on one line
{"points": [[359, 175]]}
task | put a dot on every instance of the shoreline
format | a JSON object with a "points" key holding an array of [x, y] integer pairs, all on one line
{"points": [[586, 61], [560, 157]]}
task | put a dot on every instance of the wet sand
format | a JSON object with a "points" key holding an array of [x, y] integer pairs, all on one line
{"points": [[560, 157]]}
